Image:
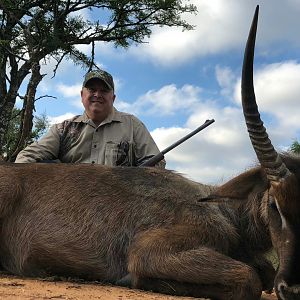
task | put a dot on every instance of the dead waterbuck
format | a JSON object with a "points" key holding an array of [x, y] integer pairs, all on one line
{"points": [[101, 223]]}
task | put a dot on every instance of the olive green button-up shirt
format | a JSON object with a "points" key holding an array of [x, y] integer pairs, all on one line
{"points": [[121, 139]]}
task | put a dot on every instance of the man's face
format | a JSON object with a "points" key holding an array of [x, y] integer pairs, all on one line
{"points": [[97, 100]]}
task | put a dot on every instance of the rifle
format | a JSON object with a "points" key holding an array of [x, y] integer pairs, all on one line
{"points": [[160, 156]]}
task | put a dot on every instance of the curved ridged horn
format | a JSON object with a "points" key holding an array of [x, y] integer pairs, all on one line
{"points": [[266, 154]]}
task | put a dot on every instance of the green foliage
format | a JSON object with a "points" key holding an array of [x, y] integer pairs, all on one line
{"points": [[295, 147], [41, 124], [55, 27]]}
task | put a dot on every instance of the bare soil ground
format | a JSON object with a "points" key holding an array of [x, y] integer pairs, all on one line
{"points": [[16, 288]]}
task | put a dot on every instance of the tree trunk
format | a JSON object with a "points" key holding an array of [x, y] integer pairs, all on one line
{"points": [[5, 117], [27, 112], [8, 100]]}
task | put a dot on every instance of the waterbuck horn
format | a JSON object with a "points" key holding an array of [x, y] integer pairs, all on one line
{"points": [[266, 154]]}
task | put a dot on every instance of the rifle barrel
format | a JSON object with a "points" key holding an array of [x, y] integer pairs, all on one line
{"points": [[158, 157], [204, 125]]}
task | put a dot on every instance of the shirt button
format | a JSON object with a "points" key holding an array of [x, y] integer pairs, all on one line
{"points": [[95, 146], [96, 130]]}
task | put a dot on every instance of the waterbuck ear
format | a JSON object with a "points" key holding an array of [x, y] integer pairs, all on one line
{"points": [[283, 185], [275, 184], [286, 192]]}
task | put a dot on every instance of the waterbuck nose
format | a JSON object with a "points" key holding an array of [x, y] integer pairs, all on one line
{"points": [[285, 292]]}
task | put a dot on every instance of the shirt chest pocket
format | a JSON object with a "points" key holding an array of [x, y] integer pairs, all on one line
{"points": [[119, 154]]}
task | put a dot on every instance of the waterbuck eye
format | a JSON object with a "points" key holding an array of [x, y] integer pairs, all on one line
{"points": [[272, 204]]}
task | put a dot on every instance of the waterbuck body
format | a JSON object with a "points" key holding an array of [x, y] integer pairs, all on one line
{"points": [[100, 223], [154, 229]]}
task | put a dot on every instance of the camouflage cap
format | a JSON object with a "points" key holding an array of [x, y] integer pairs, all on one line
{"points": [[100, 74]]}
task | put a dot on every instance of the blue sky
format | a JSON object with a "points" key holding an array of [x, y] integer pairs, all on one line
{"points": [[177, 80]]}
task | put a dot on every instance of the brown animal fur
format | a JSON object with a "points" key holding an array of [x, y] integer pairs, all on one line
{"points": [[99, 223]]}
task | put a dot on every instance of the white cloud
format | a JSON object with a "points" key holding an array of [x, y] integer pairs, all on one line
{"points": [[277, 91], [226, 79], [170, 99], [71, 93], [221, 26], [215, 31], [69, 90], [166, 101], [59, 119]]}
